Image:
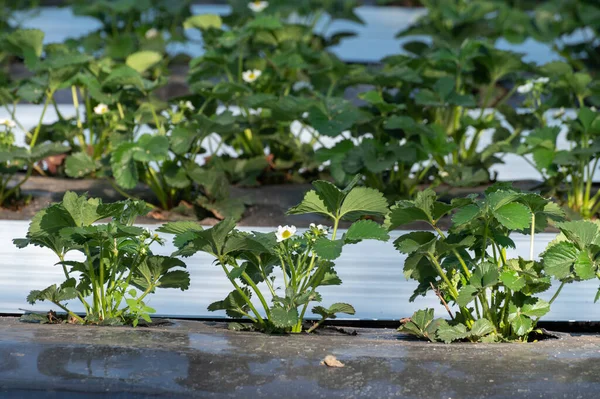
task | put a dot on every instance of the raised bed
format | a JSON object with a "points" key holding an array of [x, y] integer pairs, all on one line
{"points": [[194, 359]]}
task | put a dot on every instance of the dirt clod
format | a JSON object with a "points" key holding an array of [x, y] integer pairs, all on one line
{"points": [[331, 361]]}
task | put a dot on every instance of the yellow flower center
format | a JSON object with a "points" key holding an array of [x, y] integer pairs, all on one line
{"points": [[286, 234], [252, 75], [258, 3]]}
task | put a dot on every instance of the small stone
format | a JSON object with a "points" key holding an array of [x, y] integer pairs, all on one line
{"points": [[331, 361]]}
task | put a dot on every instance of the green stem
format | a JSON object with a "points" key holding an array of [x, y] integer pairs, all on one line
{"points": [[441, 273], [241, 292], [36, 133], [336, 222], [562, 284], [531, 239], [259, 294]]}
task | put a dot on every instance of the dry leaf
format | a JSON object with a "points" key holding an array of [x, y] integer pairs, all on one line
{"points": [[331, 361], [157, 214]]}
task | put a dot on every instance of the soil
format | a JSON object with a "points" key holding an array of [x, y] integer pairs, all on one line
{"points": [[199, 359]]}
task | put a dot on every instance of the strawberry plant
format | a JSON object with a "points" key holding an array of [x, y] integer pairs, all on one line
{"points": [[131, 26], [118, 270], [305, 260], [495, 298]]}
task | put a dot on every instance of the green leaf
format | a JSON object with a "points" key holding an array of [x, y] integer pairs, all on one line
{"points": [[402, 214], [485, 275], [416, 242], [84, 211], [234, 304], [333, 310], [581, 232], [283, 318], [26, 43], [584, 266], [124, 76], [53, 294], [80, 165], [481, 328], [366, 230], [151, 148], [559, 258], [512, 280], [45, 150], [174, 175], [123, 165], [180, 227], [331, 196], [265, 22], [535, 307], [513, 216], [311, 203], [363, 201], [448, 333], [422, 325], [466, 294], [143, 60], [156, 271], [465, 215], [328, 249], [203, 22], [520, 324]]}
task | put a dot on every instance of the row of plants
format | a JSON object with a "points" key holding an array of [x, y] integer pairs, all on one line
{"points": [[488, 296], [268, 95]]}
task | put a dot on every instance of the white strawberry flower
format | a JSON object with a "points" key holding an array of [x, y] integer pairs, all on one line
{"points": [[560, 112], [251, 75], [526, 88], [101, 109], [403, 141], [542, 80], [151, 33], [258, 6], [188, 104], [285, 232], [8, 123]]}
